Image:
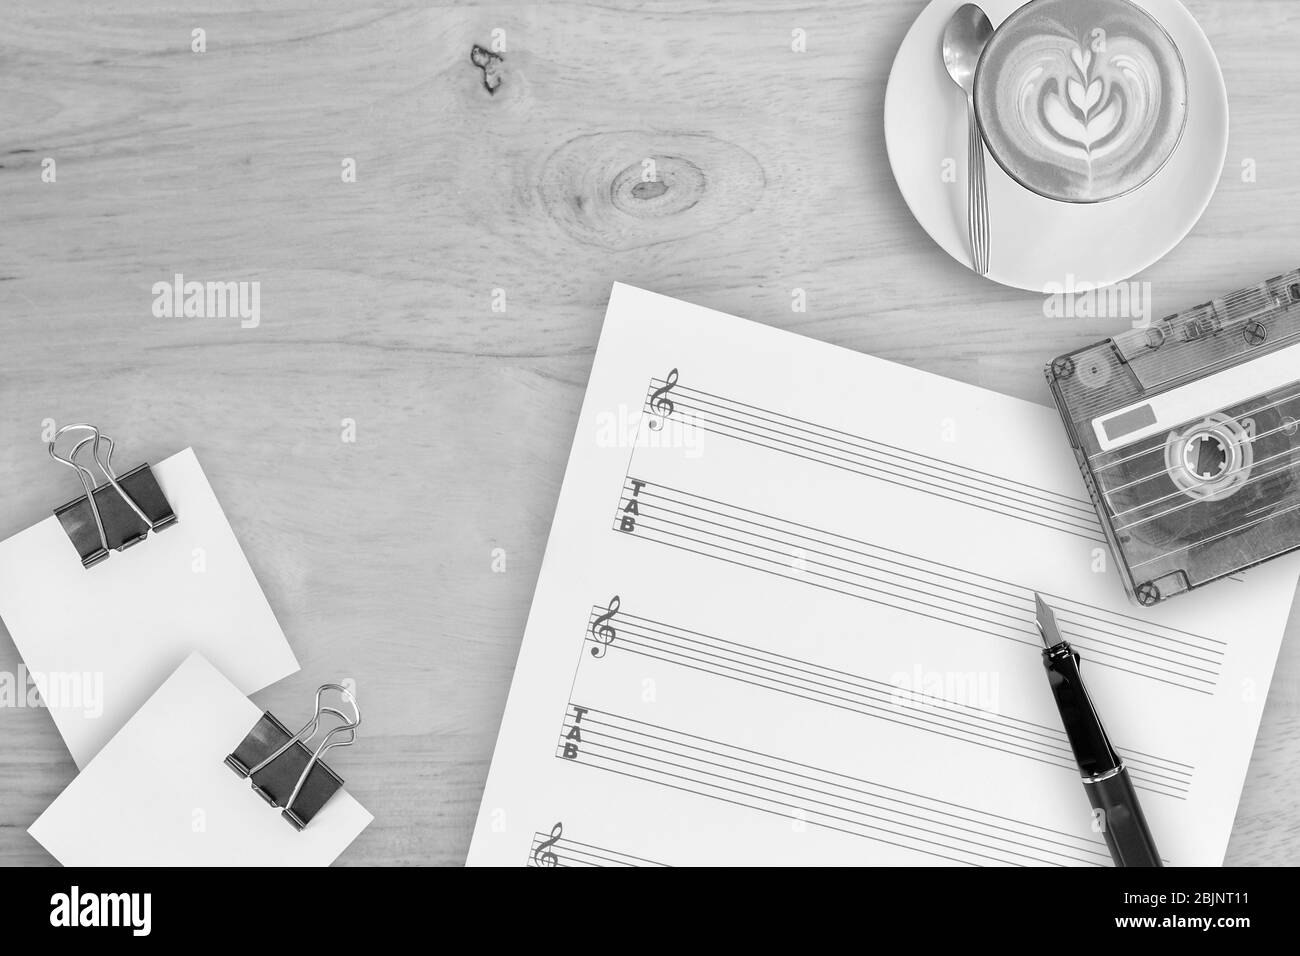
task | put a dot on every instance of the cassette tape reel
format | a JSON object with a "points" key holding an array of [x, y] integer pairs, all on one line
{"points": [[1188, 437]]}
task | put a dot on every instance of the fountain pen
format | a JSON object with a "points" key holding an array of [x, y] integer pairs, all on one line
{"points": [[1114, 801]]}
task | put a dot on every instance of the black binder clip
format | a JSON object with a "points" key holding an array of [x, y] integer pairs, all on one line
{"points": [[118, 513], [284, 771]]}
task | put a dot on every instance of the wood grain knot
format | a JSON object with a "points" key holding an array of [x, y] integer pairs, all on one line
{"points": [[491, 65], [658, 186], [631, 189], [652, 189]]}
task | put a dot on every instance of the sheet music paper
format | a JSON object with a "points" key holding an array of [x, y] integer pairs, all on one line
{"points": [[103, 639], [159, 794], [786, 616]]}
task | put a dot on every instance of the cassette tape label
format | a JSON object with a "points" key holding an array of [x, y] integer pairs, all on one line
{"points": [[1126, 423], [1182, 405], [1188, 437]]}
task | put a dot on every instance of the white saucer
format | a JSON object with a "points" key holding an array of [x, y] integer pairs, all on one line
{"points": [[1038, 244]]}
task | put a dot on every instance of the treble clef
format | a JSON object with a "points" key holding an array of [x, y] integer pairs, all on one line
{"points": [[543, 855], [601, 630], [660, 404]]}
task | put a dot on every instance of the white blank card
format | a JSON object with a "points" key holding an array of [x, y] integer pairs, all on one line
{"points": [[160, 794], [98, 641]]}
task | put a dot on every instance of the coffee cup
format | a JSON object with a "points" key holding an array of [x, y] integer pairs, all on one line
{"points": [[1081, 101]]}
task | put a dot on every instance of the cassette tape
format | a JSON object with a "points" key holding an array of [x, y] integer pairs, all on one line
{"points": [[1188, 436]]}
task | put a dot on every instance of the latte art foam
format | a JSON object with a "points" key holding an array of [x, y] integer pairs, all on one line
{"points": [[1081, 100]]}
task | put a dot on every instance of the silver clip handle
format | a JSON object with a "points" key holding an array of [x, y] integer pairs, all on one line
{"points": [[349, 727], [87, 477]]}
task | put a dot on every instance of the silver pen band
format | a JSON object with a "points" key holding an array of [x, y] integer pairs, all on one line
{"points": [[1098, 778]]}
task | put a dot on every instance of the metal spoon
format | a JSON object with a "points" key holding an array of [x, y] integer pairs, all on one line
{"points": [[963, 41]]}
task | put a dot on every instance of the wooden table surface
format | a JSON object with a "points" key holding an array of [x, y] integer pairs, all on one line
{"points": [[380, 303]]}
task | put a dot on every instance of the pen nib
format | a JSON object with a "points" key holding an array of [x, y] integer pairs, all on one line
{"points": [[1046, 620]]}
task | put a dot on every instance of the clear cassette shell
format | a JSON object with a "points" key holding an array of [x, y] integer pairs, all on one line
{"points": [[1188, 437]]}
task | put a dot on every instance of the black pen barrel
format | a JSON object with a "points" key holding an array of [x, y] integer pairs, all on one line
{"points": [[1123, 824]]}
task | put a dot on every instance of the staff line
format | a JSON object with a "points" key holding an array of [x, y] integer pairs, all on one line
{"points": [[1092, 639], [1063, 761], [1036, 644], [937, 815], [1124, 619]]}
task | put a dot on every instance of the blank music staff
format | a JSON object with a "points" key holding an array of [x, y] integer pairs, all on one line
{"points": [[851, 693], [814, 796], [863, 456], [940, 592], [554, 849]]}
